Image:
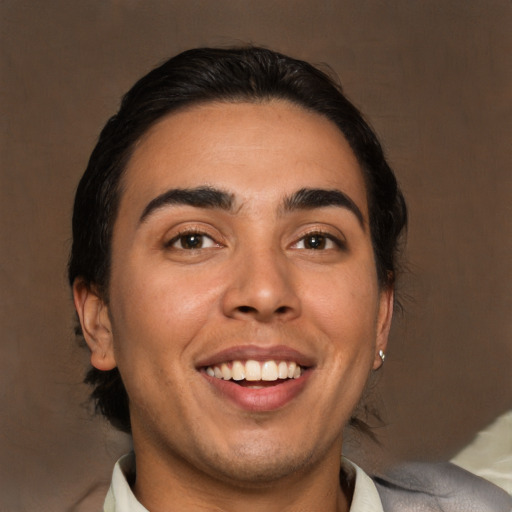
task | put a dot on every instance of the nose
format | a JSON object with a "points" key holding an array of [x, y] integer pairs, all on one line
{"points": [[262, 286]]}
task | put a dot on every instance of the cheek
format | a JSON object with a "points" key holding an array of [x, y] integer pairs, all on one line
{"points": [[160, 309], [344, 301]]}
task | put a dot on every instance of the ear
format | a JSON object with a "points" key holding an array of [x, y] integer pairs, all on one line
{"points": [[383, 324], [96, 325]]}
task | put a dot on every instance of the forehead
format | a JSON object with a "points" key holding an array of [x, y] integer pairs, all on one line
{"points": [[258, 151]]}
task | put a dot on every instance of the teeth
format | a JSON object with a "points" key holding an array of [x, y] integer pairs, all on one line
{"points": [[254, 371], [226, 372], [238, 371], [269, 371], [291, 370], [282, 370]]}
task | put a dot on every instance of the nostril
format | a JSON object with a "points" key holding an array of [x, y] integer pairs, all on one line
{"points": [[246, 309]]}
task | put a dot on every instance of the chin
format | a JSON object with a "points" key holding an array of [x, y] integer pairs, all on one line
{"points": [[254, 465], [254, 473]]}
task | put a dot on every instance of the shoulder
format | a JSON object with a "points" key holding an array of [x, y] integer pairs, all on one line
{"points": [[427, 487]]}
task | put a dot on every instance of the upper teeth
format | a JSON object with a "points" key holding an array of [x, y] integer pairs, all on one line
{"points": [[255, 370]]}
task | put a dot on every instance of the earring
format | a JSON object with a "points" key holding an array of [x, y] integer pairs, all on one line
{"points": [[382, 355]]}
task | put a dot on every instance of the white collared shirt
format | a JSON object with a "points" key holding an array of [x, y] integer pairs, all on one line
{"points": [[120, 497]]}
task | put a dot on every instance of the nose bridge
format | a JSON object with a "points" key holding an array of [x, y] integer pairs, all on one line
{"points": [[262, 284]]}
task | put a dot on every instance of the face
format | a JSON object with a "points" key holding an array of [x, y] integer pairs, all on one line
{"points": [[244, 310]]}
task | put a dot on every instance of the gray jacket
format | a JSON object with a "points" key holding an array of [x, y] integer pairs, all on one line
{"points": [[442, 487]]}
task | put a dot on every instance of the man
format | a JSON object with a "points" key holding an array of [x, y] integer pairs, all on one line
{"points": [[235, 237]]}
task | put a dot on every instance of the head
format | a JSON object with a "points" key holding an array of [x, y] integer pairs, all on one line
{"points": [[202, 88]]}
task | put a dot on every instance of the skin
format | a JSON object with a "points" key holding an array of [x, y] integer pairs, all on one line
{"points": [[257, 281]]}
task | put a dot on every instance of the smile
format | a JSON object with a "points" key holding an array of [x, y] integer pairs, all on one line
{"points": [[258, 379], [254, 371]]}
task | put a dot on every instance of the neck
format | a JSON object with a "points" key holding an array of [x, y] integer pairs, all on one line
{"points": [[162, 480]]}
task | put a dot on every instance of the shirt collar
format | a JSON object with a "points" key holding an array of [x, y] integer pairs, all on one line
{"points": [[366, 497], [120, 497]]}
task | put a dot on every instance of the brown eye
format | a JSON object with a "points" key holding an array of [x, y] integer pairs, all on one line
{"points": [[315, 241], [318, 242], [191, 241]]}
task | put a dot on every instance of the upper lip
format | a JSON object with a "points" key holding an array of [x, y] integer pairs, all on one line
{"points": [[257, 353]]}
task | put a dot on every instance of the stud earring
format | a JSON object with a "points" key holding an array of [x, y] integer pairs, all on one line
{"points": [[382, 355]]}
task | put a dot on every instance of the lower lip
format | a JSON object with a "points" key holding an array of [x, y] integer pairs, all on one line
{"points": [[260, 400]]}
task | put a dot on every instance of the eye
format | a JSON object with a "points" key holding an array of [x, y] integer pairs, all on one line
{"points": [[192, 240], [318, 242]]}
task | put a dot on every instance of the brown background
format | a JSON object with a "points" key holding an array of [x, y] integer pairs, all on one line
{"points": [[433, 77]]}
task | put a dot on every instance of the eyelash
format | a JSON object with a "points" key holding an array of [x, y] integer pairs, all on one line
{"points": [[190, 232], [338, 242], [327, 237]]}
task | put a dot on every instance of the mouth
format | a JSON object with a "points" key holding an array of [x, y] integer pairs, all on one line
{"points": [[257, 380], [256, 374]]}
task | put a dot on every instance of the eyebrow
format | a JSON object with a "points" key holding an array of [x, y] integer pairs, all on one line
{"points": [[210, 197], [311, 198], [199, 197]]}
